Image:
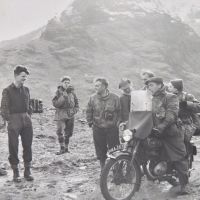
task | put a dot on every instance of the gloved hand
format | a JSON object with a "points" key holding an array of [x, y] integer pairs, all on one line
{"points": [[69, 89], [183, 105], [2, 122], [156, 132], [122, 126], [65, 94]]}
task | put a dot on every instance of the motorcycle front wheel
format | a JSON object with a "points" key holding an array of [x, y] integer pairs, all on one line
{"points": [[120, 179]]}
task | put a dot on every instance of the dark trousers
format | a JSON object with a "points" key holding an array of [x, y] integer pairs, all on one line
{"points": [[104, 139], [64, 131], [182, 169], [20, 124]]}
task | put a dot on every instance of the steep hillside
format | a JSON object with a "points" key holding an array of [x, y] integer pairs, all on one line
{"points": [[111, 38], [188, 11]]}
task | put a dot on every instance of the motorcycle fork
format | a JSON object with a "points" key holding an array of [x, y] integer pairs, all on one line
{"points": [[135, 151]]}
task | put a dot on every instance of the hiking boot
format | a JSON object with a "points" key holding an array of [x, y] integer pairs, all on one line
{"points": [[27, 174], [3, 172], [62, 151], [185, 190], [67, 150], [16, 176]]}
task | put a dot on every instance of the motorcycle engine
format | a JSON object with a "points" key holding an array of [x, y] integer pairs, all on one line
{"points": [[160, 169]]}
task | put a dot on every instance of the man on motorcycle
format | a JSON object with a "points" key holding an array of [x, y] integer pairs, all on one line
{"points": [[188, 107], [165, 112]]}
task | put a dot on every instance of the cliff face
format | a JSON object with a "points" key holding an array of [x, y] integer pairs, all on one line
{"points": [[111, 38]]}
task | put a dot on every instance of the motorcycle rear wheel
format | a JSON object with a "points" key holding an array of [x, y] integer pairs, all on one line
{"points": [[120, 179]]}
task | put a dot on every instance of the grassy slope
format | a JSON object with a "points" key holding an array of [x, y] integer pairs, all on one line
{"points": [[101, 38]]}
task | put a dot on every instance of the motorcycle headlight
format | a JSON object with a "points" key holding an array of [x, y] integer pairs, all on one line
{"points": [[127, 135]]}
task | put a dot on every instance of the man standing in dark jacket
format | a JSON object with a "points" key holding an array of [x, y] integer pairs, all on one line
{"points": [[165, 107], [125, 99], [103, 114], [15, 109]]}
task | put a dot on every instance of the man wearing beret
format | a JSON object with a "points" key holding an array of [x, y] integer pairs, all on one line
{"points": [[165, 107], [16, 110], [189, 106]]}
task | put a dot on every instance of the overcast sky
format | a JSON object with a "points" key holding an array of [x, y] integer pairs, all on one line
{"points": [[18, 17]]}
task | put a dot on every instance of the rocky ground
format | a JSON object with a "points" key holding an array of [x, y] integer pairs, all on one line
{"points": [[74, 175]]}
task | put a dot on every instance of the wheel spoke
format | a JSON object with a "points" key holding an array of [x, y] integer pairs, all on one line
{"points": [[121, 179]]}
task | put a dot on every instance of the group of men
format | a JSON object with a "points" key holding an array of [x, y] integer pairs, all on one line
{"points": [[170, 104], [105, 112]]}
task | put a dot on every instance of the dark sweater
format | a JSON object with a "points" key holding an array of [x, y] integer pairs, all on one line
{"points": [[15, 100], [125, 102]]}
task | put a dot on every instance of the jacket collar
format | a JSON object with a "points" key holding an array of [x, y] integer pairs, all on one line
{"points": [[125, 94], [14, 86], [160, 92], [104, 97]]}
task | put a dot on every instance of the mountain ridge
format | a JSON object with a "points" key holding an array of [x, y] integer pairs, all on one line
{"points": [[104, 38]]}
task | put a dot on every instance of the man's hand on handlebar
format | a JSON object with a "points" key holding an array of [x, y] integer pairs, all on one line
{"points": [[122, 126], [156, 132]]}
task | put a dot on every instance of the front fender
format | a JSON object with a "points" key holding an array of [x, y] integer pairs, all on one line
{"points": [[115, 154]]}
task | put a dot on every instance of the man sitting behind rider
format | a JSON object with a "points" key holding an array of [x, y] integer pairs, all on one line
{"points": [[188, 107], [165, 112]]}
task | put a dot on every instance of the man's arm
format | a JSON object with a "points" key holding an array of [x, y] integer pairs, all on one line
{"points": [[190, 104], [89, 113], [194, 107], [58, 100], [76, 101], [191, 98], [171, 113], [30, 108], [118, 111], [5, 105]]}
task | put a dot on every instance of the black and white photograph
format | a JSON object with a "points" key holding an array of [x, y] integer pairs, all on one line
{"points": [[99, 99]]}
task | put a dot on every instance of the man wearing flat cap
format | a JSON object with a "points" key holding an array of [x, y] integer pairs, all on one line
{"points": [[189, 106], [165, 107], [16, 110]]}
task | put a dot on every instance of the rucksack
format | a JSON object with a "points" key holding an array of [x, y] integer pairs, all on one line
{"points": [[193, 126], [37, 105]]}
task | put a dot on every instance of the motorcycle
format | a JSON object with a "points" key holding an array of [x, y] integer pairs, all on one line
{"points": [[138, 155]]}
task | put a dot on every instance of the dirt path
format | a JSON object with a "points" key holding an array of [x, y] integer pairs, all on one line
{"points": [[74, 175]]}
